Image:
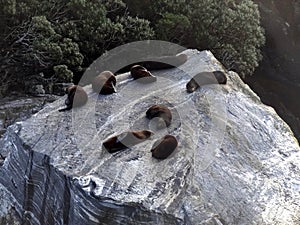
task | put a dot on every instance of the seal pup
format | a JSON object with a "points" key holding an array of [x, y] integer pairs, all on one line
{"points": [[76, 97], [204, 78], [141, 74], [162, 112], [164, 147], [104, 83], [126, 140]]}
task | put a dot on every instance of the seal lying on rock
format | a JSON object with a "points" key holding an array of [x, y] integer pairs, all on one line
{"points": [[126, 140], [141, 74], [76, 97], [162, 112], [159, 63], [165, 62], [104, 83], [204, 78], [164, 147]]}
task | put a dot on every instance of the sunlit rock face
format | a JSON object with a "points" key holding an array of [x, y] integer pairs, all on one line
{"points": [[236, 162]]}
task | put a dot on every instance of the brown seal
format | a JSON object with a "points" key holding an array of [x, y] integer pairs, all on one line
{"points": [[165, 62], [126, 140], [164, 147], [105, 83], [162, 112], [159, 63], [141, 74], [76, 97], [204, 78]]}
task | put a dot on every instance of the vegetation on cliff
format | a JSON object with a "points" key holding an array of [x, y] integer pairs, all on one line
{"points": [[230, 29], [53, 41], [59, 38]]}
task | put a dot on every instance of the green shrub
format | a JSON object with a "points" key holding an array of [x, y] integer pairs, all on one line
{"points": [[62, 73], [230, 29], [39, 35], [173, 27]]}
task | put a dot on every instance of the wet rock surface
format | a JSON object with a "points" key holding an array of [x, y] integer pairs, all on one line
{"points": [[237, 162]]}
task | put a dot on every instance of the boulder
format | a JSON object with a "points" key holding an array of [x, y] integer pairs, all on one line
{"points": [[237, 161]]}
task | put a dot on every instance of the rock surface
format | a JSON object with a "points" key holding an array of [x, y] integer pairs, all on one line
{"points": [[17, 108], [237, 162]]}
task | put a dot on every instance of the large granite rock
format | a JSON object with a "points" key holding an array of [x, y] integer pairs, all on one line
{"points": [[237, 162]]}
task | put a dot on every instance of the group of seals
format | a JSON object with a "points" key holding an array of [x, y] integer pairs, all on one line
{"points": [[161, 149], [105, 84], [164, 147], [106, 81]]}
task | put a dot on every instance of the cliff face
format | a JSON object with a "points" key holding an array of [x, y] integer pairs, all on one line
{"points": [[237, 162]]}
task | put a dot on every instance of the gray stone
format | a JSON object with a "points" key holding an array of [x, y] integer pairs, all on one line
{"points": [[18, 108], [237, 162], [8, 214]]}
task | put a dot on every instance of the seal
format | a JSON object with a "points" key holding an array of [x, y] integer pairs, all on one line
{"points": [[164, 147], [204, 78], [126, 140], [104, 83], [162, 112], [141, 74], [159, 63], [165, 62], [76, 97]]}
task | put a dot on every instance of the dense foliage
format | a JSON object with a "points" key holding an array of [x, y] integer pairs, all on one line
{"points": [[59, 38], [229, 28], [54, 40]]}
